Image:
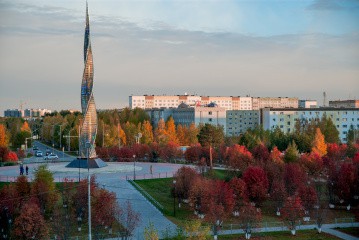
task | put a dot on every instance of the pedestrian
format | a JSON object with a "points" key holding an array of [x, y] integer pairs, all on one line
{"points": [[27, 170], [151, 169], [21, 169]]}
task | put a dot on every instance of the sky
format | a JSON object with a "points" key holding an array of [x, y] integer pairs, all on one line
{"points": [[292, 48]]}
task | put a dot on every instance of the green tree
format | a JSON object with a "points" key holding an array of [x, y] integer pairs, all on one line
{"points": [[291, 154], [211, 136]]}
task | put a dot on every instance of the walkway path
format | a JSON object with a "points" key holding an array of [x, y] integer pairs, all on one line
{"points": [[328, 228]]}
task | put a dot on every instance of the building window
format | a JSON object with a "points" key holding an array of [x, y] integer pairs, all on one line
{"points": [[288, 123], [210, 113], [210, 119]]}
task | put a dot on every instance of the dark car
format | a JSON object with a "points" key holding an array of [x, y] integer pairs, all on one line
{"points": [[48, 152], [35, 148]]}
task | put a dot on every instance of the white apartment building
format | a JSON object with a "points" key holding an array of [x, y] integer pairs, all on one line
{"points": [[308, 104], [239, 121], [285, 119], [229, 103], [274, 102]]}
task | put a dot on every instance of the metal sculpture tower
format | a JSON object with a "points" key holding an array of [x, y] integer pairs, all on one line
{"points": [[88, 130]]}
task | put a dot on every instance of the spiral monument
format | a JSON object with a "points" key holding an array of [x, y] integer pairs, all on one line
{"points": [[88, 130]]}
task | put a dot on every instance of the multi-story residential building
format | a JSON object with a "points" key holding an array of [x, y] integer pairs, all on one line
{"points": [[344, 103], [239, 121], [35, 113], [308, 104], [285, 119], [274, 102], [186, 115], [229, 103], [13, 113]]}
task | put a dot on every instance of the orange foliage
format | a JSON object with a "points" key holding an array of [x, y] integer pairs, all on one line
{"points": [[319, 145], [25, 127], [3, 137]]}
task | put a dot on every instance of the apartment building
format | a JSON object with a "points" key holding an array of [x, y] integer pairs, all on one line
{"points": [[274, 102], [344, 103], [186, 115], [239, 121], [229, 103], [285, 119], [307, 104]]}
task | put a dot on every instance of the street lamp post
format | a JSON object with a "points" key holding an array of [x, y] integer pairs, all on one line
{"points": [[174, 198], [88, 145], [134, 167]]}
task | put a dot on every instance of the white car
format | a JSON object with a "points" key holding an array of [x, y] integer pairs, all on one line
{"points": [[51, 156]]}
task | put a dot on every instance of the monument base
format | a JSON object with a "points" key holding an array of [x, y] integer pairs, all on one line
{"points": [[82, 163]]}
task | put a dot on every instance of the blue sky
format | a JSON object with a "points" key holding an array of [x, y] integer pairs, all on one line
{"points": [[261, 48]]}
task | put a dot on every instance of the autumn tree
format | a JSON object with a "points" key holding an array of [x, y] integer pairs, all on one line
{"points": [[171, 130], [195, 231], [185, 176], [199, 195], [193, 153], [292, 212], [161, 135], [319, 145], [25, 127], [104, 210], [181, 135], [239, 193], [308, 197], [276, 156], [147, 133], [249, 218], [291, 154], [31, 224], [239, 158], [23, 188], [43, 188], [4, 140], [211, 136], [191, 134], [169, 151], [260, 153], [131, 131], [278, 194], [220, 203], [257, 184], [347, 180], [294, 178], [10, 156], [312, 162]]}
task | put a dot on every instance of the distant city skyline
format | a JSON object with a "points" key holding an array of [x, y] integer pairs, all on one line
{"points": [[216, 48]]}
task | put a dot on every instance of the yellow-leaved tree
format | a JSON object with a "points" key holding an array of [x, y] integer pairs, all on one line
{"points": [[147, 134], [3, 136], [319, 145], [122, 135], [171, 130], [25, 127]]}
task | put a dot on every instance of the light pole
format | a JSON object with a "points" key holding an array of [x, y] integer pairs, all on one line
{"points": [[174, 198], [134, 167], [88, 146]]}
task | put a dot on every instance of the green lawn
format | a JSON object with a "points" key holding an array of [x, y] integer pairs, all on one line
{"points": [[300, 235], [160, 189]]}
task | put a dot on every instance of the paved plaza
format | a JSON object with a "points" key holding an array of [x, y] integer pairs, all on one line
{"points": [[113, 177]]}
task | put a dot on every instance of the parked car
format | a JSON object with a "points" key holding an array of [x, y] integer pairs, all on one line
{"points": [[51, 156], [38, 154]]}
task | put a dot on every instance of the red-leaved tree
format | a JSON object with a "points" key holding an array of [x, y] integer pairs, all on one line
{"points": [[294, 178], [185, 178], [292, 212], [239, 158], [257, 184], [240, 194]]}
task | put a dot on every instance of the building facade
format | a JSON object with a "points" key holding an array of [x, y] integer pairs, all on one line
{"points": [[307, 104], [13, 113], [239, 121], [229, 103], [285, 119], [344, 104], [186, 115]]}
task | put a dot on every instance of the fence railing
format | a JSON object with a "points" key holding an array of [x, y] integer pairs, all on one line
{"points": [[149, 176], [147, 196]]}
